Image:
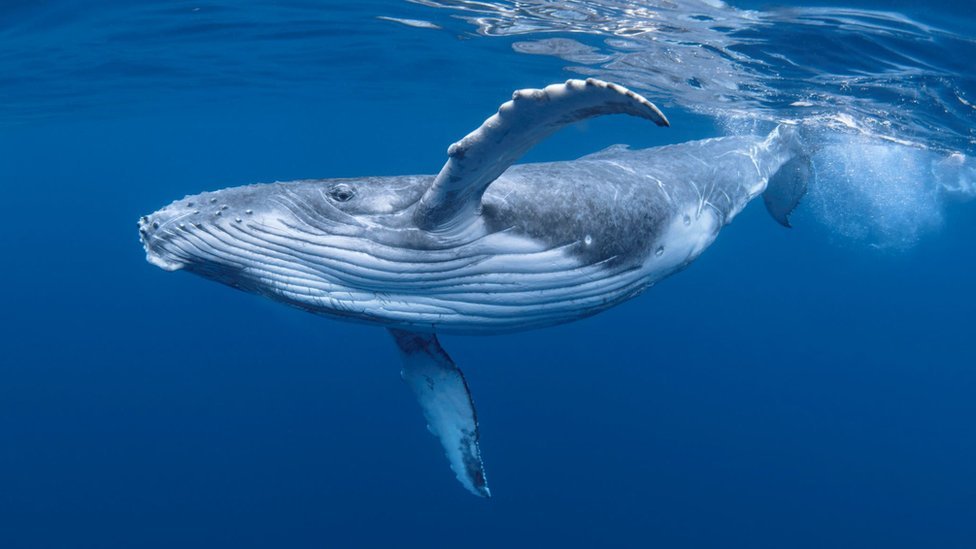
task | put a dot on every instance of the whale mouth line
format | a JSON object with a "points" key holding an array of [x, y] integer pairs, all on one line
{"points": [[155, 256], [158, 261]]}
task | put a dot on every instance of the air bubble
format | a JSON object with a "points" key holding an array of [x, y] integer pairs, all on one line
{"points": [[660, 251]]}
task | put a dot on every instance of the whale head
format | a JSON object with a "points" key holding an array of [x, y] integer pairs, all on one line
{"points": [[312, 237]]}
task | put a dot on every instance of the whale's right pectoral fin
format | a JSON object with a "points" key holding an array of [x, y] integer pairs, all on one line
{"points": [[454, 198], [443, 394]]}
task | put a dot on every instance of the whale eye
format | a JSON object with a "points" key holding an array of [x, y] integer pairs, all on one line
{"points": [[341, 192]]}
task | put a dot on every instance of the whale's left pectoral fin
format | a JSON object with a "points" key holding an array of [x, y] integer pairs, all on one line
{"points": [[443, 394]]}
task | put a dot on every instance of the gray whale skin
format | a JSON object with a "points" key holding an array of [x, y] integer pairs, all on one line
{"points": [[485, 246]]}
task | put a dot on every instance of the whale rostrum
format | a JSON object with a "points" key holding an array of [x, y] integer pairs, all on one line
{"points": [[486, 246]]}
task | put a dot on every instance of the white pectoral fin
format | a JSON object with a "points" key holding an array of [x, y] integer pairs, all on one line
{"points": [[475, 161], [443, 395]]}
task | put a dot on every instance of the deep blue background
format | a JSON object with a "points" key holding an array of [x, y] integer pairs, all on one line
{"points": [[788, 390]]}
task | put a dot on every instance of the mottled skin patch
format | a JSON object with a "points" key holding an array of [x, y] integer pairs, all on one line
{"points": [[608, 218]]}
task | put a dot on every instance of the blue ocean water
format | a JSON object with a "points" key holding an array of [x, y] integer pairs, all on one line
{"points": [[810, 387]]}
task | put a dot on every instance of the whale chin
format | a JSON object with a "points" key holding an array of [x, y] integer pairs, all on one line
{"points": [[162, 263]]}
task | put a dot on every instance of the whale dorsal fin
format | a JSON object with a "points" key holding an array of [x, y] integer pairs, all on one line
{"points": [[454, 198]]}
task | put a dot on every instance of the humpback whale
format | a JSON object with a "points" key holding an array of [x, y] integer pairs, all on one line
{"points": [[485, 246]]}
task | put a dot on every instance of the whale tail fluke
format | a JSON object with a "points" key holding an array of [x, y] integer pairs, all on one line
{"points": [[788, 184]]}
